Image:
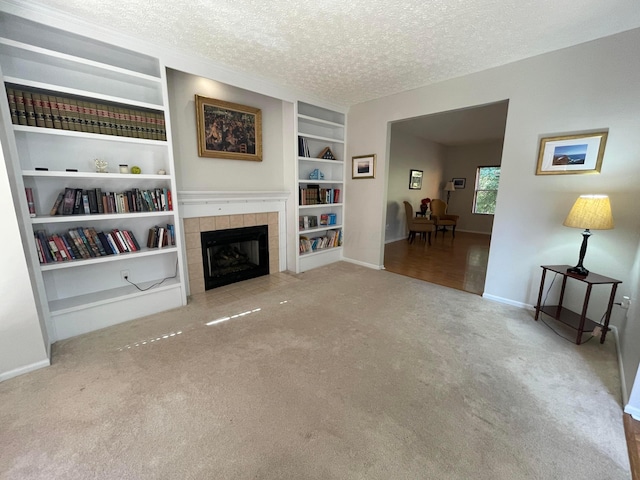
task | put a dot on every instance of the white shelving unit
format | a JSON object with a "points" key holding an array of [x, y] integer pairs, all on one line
{"points": [[79, 296], [320, 128]]}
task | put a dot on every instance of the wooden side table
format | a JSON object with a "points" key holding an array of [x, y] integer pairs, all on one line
{"points": [[578, 322]]}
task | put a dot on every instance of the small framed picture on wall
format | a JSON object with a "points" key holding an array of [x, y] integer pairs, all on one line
{"points": [[415, 179], [459, 183]]}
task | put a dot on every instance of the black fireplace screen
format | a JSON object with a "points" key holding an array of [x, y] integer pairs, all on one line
{"points": [[234, 255]]}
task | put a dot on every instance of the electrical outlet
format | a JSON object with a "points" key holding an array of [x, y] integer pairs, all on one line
{"points": [[124, 274], [626, 302], [597, 331]]}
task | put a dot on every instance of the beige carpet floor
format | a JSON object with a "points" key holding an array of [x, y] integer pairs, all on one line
{"points": [[339, 373]]}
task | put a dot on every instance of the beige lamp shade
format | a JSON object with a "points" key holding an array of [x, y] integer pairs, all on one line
{"points": [[591, 212], [449, 187]]}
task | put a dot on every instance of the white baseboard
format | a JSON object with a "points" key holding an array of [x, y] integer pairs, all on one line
{"points": [[623, 383], [473, 231], [506, 301], [404, 237], [364, 264], [26, 369]]}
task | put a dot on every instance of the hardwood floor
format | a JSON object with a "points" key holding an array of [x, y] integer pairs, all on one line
{"points": [[459, 263], [632, 432]]}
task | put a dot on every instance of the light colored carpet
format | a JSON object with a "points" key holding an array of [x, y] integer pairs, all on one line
{"points": [[342, 373]]}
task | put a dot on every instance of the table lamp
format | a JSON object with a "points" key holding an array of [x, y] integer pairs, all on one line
{"points": [[591, 212], [449, 187]]}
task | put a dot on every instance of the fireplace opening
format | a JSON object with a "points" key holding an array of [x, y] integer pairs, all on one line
{"points": [[234, 255]]}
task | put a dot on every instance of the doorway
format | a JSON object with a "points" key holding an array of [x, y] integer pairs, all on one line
{"points": [[448, 147]]}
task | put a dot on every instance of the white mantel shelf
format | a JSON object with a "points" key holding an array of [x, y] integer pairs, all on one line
{"points": [[195, 197], [209, 203]]}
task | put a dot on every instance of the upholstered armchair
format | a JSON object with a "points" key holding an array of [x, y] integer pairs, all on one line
{"points": [[417, 225], [441, 218]]}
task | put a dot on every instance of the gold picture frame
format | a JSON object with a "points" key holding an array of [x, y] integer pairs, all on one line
{"points": [[363, 166], [228, 130], [571, 154]]}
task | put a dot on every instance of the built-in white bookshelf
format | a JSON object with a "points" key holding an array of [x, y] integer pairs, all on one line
{"points": [[318, 129], [82, 295]]}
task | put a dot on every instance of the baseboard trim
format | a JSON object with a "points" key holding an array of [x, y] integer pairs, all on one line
{"points": [[506, 301], [623, 383], [395, 239], [363, 264], [22, 370]]}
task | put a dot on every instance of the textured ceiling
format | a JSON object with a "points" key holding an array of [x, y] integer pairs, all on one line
{"points": [[348, 52]]}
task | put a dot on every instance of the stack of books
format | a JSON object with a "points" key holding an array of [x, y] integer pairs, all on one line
{"points": [[161, 236]]}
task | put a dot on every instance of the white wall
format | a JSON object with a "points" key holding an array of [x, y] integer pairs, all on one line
{"points": [[588, 87], [629, 343], [22, 343], [410, 152], [216, 174], [462, 162]]}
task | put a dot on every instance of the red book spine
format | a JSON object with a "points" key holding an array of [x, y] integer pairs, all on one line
{"points": [[129, 241]]}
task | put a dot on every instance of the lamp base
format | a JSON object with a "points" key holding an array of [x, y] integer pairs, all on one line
{"points": [[578, 270]]}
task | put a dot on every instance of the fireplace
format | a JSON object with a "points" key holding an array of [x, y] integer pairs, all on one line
{"points": [[233, 255]]}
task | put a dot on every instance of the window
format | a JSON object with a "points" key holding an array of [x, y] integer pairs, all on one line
{"points": [[487, 180]]}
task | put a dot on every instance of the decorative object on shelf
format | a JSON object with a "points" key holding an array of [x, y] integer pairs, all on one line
{"points": [[570, 154], [327, 154], [459, 183], [228, 130], [415, 179], [449, 187], [316, 175], [162, 171], [363, 166], [124, 168], [424, 205], [136, 170], [591, 212], [102, 166]]}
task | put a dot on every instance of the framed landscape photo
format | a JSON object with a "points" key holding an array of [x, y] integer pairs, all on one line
{"points": [[571, 154], [415, 179], [228, 130], [363, 166], [459, 183]]}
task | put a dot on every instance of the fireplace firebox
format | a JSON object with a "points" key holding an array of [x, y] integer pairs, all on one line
{"points": [[234, 255]]}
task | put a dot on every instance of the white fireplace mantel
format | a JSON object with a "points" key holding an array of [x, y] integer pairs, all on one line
{"points": [[194, 204]]}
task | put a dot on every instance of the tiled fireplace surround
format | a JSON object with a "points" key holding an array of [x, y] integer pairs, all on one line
{"points": [[207, 211]]}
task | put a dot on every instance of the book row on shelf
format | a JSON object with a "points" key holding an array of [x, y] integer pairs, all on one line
{"points": [[311, 221], [303, 147], [332, 238], [76, 201], [85, 242], [314, 195], [42, 108]]}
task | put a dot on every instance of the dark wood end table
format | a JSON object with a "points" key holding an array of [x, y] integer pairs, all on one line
{"points": [[578, 322]]}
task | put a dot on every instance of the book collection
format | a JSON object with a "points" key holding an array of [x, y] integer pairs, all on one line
{"points": [[74, 201], [314, 195], [311, 221], [83, 242], [303, 147], [333, 238], [161, 236], [41, 108]]}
